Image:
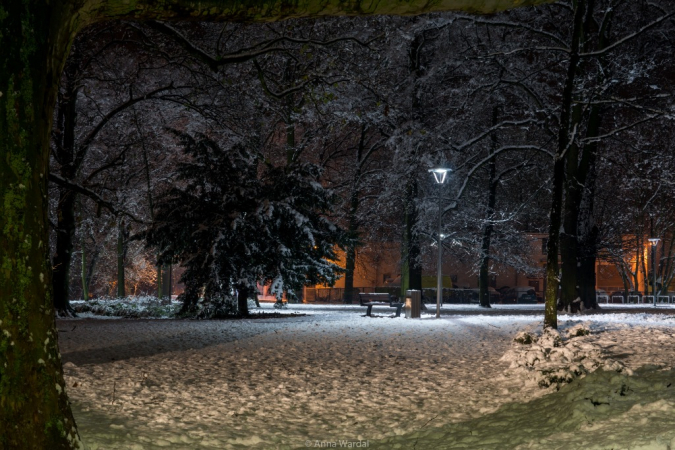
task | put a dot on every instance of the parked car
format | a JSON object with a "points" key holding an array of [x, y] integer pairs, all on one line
{"points": [[520, 294], [503, 290], [492, 292]]}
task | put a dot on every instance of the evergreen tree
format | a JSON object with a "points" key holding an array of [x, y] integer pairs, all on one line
{"points": [[233, 221]]}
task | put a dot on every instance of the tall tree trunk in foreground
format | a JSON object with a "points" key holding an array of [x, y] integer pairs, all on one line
{"points": [[35, 37], [34, 408]]}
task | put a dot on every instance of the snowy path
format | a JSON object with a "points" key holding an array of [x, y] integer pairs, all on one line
{"points": [[330, 376]]}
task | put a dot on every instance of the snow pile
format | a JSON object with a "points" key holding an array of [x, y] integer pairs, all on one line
{"points": [[551, 359], [130, 307], [603, 410]]}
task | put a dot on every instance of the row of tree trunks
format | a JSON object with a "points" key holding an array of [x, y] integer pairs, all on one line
{"points": [[579, 239]]}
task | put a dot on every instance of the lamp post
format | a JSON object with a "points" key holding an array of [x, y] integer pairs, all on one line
{"points": [[654, 242], [440, 175]]}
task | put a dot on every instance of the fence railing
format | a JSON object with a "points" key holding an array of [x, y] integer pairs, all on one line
{"points": [[336, 295], [636, 299]]}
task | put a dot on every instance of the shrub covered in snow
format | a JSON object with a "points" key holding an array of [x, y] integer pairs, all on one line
{"points": [[525, 338], [578, 330], [551, 360], [130, 307]]}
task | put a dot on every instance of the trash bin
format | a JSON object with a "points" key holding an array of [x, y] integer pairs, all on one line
{"points": [[413, 301]]}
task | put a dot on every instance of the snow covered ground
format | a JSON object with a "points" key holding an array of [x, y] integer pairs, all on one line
{"points": [[335, 379]]}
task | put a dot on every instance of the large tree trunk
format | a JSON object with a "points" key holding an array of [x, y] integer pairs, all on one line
{"points": [[579, 247], [34, 408], [411, 270], [555, 218]]}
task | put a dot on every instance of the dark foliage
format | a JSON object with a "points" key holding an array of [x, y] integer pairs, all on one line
{"points": [[233, 221]]}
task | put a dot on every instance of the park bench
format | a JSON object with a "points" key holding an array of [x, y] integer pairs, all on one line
{"points": [[379, 299]]}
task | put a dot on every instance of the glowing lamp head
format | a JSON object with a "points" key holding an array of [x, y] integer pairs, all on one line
{"points": [[440, 174], [654, 241]]}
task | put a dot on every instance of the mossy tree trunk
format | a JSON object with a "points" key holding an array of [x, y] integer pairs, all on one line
{"points": [[34, 408], [35, 37]]}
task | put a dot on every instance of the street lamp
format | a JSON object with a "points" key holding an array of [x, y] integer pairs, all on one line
{"points": [[654, 242], [440, 175]]}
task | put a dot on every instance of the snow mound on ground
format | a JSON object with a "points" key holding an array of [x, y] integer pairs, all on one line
{"points": [[603, 410], [145, 306], [552, 359]]}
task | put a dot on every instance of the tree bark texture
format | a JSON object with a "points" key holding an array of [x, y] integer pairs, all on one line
{"points": [[35, 37], [34, 408]]}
